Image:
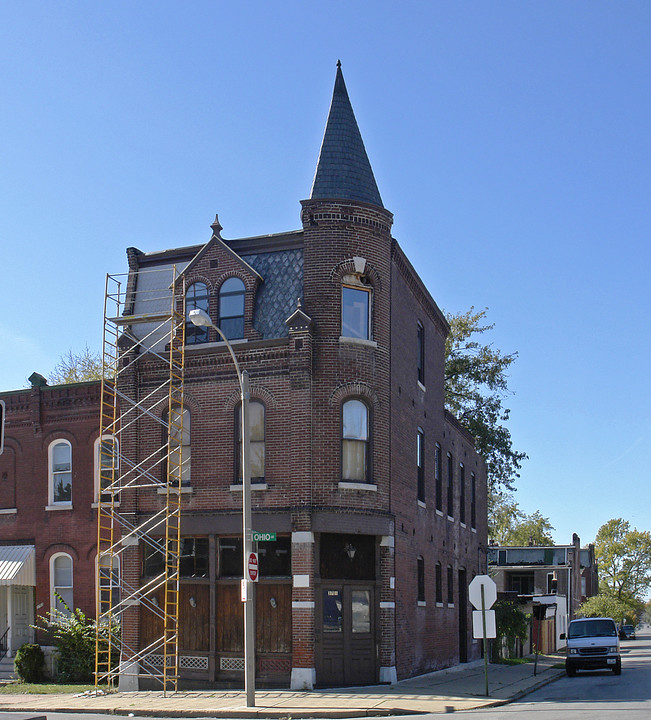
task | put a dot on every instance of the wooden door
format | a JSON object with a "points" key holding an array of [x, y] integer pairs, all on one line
{"points": [[345, 637]]}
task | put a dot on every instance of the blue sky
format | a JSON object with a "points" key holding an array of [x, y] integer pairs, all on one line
{"points": [[510, 139]]}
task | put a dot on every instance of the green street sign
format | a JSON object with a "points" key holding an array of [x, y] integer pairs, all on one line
{"points": [[263, 536]]}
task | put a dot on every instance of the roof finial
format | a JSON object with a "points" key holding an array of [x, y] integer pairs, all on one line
{"points": [[338, 63], [216, 227]]}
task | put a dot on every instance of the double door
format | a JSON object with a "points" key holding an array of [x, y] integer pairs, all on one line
{"points": [[345, 639]]}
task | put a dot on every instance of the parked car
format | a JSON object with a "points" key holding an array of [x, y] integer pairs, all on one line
{"points": [[627, 632], [592, 644]]}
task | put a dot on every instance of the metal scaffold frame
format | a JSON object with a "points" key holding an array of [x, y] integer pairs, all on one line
{"points": [[144, 321]]}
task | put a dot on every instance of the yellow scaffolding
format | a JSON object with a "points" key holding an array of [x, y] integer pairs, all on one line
{"points": [[144, 322]]}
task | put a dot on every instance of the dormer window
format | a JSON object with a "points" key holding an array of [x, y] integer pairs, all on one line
{"points": [[356, 312], [231, 308]]}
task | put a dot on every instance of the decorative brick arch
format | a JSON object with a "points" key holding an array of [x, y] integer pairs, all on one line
{"points": [[257, 392], [348, 267], [60, 434], [60, 548], [198, 277], [353, 389]]}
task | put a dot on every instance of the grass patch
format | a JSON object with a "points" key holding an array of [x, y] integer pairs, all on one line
{"points": [[19, 688], [514, 661]]}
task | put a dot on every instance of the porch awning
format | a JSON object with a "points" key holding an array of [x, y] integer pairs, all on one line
{"points": [[17, 565]]}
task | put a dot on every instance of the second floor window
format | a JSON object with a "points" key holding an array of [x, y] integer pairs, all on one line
{"points": [[438, 477], [355, 439], [420, 349], [420, 464], [231, 308], [356, 313], [450, 486], [180, 452], [439, 583], [473, 500], [107, 467], [60, 473], [256, 441], [462, 493], [196, 298]]}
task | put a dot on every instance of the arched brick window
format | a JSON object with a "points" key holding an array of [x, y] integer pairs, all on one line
{"points": [[355, 441], [231, 308]]}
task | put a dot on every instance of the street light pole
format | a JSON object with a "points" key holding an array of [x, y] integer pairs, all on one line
{"points": [[201, 318]]}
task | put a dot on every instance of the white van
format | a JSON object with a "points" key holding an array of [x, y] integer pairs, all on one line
{"points": [[592, 644]]}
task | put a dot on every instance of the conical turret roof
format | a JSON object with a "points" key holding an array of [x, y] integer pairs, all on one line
{"points": [[343, 170]]}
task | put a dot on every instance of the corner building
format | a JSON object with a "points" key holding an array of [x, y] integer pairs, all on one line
{"points": [[376, 494]]}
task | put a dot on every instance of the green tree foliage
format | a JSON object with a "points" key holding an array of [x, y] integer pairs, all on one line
{"points": [[624, 560], [620, 610], [509, 525], [476, 384], [511, 624], [74, 368]]}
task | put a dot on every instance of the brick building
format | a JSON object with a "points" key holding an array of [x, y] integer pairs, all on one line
{"points": [[48, 523], [376, 494]]}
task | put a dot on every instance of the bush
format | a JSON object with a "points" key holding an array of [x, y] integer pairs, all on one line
{"points": [[29, 663], [73, 635]]}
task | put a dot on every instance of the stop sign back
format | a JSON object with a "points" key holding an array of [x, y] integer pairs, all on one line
{"points": [[252, 566], [475, 588]]}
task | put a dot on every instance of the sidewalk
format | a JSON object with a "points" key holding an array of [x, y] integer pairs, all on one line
{"points": [[459, 688]]}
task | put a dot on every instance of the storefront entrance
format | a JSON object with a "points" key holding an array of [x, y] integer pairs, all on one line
{"points": [[345, 639]]}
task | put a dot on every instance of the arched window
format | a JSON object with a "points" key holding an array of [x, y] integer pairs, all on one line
{"points": [[354, 441], [196, 298], [107, 467], [180, 452], [60, 473], [231, 308], [256, 440], [109, 581], [61, 583]]}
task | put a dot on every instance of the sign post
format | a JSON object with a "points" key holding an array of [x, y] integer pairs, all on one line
{"points": [[482, 593]]}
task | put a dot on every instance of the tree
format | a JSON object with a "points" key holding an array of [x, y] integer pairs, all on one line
{"points": [[74, 368], [476, 383], [509, 525], [624, 560], [511, 624], [620, 610]]}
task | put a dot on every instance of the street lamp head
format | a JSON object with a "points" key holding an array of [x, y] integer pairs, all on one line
{"points": [[200, 318]]}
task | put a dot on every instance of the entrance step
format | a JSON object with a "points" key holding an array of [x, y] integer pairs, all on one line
{"points": [[7, 671]]}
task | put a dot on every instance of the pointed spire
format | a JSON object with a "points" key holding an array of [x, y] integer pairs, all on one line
{"points": [[343, 170]]}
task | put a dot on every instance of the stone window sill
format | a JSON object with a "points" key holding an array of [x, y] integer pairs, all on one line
{"points": [[185, 490], [346, 485], [254, 486], [67, 506], [357, 341]]}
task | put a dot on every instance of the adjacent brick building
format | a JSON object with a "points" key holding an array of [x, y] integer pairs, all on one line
{"points": [[376, 494], [48, 524]]}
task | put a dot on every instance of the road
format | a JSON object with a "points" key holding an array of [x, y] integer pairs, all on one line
{"points": [[589, 695]]}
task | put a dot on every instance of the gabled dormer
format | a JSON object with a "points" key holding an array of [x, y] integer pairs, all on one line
{"points": [[218, 281]]}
